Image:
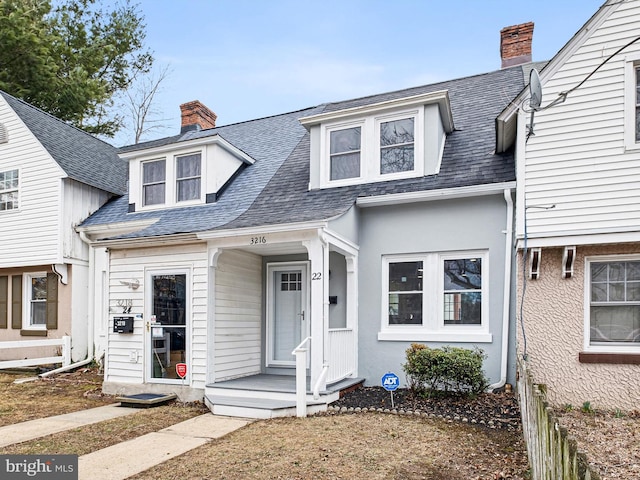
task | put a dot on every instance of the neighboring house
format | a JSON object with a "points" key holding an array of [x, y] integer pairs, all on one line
{"points": [[578, 214], [52, 177], [362, 226]]}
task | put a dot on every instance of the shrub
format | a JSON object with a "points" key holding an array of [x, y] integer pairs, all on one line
{"points": [[447, 369]]}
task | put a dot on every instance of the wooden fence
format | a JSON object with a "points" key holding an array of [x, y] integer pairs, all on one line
{"points": [[553, 453], [64, 357]]}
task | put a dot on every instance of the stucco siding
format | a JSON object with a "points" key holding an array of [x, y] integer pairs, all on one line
{"points": [[554, 321], [461, 225]]}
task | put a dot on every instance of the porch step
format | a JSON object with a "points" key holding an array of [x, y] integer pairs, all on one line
{"points": [[258, 407]]}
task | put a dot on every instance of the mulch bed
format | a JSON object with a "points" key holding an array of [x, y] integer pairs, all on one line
{"points": [[492, 410]]}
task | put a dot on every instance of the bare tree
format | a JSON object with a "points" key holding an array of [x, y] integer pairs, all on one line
{"points": [[139, 103]]}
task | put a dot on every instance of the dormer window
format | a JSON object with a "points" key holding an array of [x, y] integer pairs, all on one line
{"points": [[188, 177], [345, 153], [397, 146], [390, 140], [182, 174], [154, 176]]}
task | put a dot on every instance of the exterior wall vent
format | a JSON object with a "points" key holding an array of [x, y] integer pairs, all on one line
{"points": [[4, 136]]}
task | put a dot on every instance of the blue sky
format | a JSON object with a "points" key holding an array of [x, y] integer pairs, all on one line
{"points": [[248, 59]]}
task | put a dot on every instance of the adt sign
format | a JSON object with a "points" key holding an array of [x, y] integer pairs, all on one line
{"points": [[390, 381]]}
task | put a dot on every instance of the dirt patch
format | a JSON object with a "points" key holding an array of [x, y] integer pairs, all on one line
{"points": [[362, 446], [44, 397], [611, 440]]}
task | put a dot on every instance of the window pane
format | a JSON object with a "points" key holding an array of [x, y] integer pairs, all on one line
{"points": [[8, 201], [463, 308], [153, 172], [345, 166], [598, 292], [154, 194], [169, 299], [188, 166], [396, 132], [405, 276], [342, 141], [599, 272], [464, 274], [38, 313], [38, 288], [396, 159], [188, 189], [615, 324], [633, 271], [405, 308], [616, 271]]}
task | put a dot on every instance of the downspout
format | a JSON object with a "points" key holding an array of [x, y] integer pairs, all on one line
{"points": [[90, 330], [506, 304]]}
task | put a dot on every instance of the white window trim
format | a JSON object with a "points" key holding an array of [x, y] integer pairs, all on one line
{"points": [[26, 301], [587, 306], [196, 201], [171, 181], [148, 307], [18, 189], [370, 147], [167, 167], [418, 144], [433, 328], [631, 62]]}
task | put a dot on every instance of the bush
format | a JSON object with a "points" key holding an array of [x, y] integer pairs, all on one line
{"points": [[448, 369]]}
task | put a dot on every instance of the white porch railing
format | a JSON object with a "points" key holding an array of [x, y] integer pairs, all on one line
{"points": [[64, 358], [342, 360], [300, 353]]}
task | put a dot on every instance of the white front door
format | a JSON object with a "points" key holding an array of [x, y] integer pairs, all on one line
{"points": [[287, 311]]}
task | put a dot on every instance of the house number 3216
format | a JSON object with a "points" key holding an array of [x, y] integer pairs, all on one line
{"points": [[258, 240]]}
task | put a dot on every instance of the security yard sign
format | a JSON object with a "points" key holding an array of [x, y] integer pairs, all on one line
{"points": [[390, 382]]}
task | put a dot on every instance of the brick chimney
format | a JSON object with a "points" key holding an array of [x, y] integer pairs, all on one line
{"points": [[515, 44], [195, 116]]}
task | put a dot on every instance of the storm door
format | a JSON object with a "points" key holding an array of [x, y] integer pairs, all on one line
{"points": [[287, 311], [167, 327]]}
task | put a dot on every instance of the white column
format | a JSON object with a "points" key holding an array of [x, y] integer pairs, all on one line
{"points": [[352, 304], [214, 255], [319, 261]]}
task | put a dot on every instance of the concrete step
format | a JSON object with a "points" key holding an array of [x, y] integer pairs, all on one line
{"points": [[249, 407]]}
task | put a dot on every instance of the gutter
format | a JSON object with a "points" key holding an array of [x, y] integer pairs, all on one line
{"points": [[90, 329], [506, 304]]}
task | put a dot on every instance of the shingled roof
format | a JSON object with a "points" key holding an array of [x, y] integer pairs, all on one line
{"points": [[81, 156], [275, 189]]}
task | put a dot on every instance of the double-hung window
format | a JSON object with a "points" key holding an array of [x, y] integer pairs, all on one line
{"points": [[188, 177], [154, 175], [9, 190], [632, 102], [435, 296], [344, 153], [397, 145], [614, 303], [36, 301]]}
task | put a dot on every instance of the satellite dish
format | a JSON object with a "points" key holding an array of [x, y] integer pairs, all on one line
{"points": [[535, 90]]}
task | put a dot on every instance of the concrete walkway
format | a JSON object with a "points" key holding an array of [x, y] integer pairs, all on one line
{"points": [[133, 456]]}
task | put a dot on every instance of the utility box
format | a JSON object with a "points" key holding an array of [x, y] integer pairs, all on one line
{"points": [[123, 324]]}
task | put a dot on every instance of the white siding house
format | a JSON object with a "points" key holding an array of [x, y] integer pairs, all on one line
{"points": [[52, 177]]}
